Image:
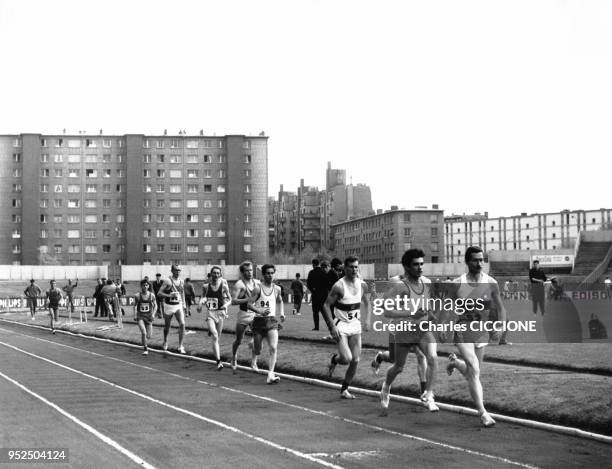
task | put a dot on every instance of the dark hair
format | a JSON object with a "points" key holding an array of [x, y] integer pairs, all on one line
{"points": [[315, 262], [324, 264], [350, 259], [244, 265], [335, 262], [215, 267], [536, 261], [266, 267], [109, 282], [187, 279], [471, 250], [410, 255], [144, 282], [297, 275]]}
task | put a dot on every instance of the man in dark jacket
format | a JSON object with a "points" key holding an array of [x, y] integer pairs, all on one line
{"points": [[99, 308], [317, 284]]}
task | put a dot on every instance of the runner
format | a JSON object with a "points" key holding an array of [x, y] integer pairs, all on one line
{"points": [[172, 293], [69, 291], [346, 296], [215, 298], [32, 292], [241, 292], [144, 311], [265, 325], [476, 285], [413, 284], [52, 300]]}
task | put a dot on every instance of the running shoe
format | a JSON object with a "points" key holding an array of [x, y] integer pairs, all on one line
{"points": [[146, 352], [294, 311], [486, 420], [385, 392], [346, 395], [332, 365], [428, 399], [376, 363], [182, 350], [451, 364], [234, 365], [165, 346], [273, 379], [219, 366], [187, 332], [254, 366]]}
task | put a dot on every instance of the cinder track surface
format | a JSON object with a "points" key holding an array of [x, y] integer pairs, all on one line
{"points": [[170, 412]]}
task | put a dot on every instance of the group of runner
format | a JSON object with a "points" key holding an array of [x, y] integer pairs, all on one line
{"points": [[52, 298], [261, 309]]}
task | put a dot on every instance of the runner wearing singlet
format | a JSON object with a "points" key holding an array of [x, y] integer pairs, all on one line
{"points": [[172, 292], [471, 344], [53, 297], [265, 326], [216, 298], [413, 284], [241, 292], [347, 296], [145, 308]]}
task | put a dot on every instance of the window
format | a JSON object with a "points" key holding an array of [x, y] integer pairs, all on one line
{"points": [[91, 249], [433, 218], [71, 158], [16, 249], [159, 233], [74, 203], [193, 159], [220, 188], [16, 187], [192, 203], [434, 246], [161, 248], [193, 218], [146, 143], [74, 233], [175, 189], [247, 188], [220, 247], [44, 158], [74, 173], [57, 249], [247, 218], [91, 158], [221, 203], [192, 233], [106, 188], [207, 203], [207, 188], [90, 234], [119, 187], [57, 203], [207, 233], [120, 218], [176, 204], [58, 173], [406, 218], [220, 233], [90, 143], [160, 188], [74, 143], [247, 203], [44, 188], [146, 188], [16, 233], [175, 248], [205, 218], [247, 233], [146, 218], [221, 218], [207, 248], [176, 173], [161, 158], [160, 218], [146, 158], [106, 203], [175, 159], [191, 173], [247, 173], [57, 219], [146, 173], [106, 173], [16, 218], [44, 142], [247, 159], [207, 159], [434, 231], [17, 173], [43, 218], [176, 233], [106, 233], [91, 188], [192, 248], [106, 142], [247, 248], [44, 172], [74, 188], [192, 188], [146, 233], [74, 249], [222, 173], [74, 219], [221, 159], [160, 203], [159, 144], [60, 158], [91, 218]]}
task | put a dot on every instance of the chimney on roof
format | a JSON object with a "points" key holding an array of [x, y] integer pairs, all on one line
{"points": [[434, 206]]}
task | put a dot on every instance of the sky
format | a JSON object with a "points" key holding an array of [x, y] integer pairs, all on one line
{"points": [[476, 106]]}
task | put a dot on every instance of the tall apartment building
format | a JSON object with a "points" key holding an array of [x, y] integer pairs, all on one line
{"points": [[309, 217], [552, 230], [133, 199], [383, 238]]}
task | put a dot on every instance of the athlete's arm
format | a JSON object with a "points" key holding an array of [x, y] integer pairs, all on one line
{"points": [[165, 290], [496, 299], [227, 295], [252, 301], [279, 299], [395, 292], [334, 296], [237, 291], [365, 299]]}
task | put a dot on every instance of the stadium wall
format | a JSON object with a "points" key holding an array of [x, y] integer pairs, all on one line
{"points": [[50, 272]]}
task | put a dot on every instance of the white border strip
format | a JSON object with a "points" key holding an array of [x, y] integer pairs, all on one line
{"points": [[178, 409], [294, 406], [317, 382], [137, 459]]}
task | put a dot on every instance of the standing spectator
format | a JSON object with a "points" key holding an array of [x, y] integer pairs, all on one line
{"points": [[157, 284], [317, 284], [608, 287], [297, 289], [69, 291], [97, 296], [537, 278], [32, 292], [189, 295], [53, 297], [333, 275], [109, 295], [120, 294]]}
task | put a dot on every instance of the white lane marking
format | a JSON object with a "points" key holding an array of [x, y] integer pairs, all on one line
{"points": [[137, 459], [347, 454], [298, 407], [181, 410]]}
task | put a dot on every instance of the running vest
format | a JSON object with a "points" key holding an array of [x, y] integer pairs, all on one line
{"points": [[247, 293], [421, 292], [482, 290], [145, 305], [214, 299], [178, 288], [54, 296], [347, 308], [267, 299]]}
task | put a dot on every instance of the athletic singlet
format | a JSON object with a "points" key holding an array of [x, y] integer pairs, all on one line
{"points": [[145, 305], [178, 288], [54, 296], [214, 299], [405, 289], [482, 290], [247, 292], [347, 308], [267, 299]]}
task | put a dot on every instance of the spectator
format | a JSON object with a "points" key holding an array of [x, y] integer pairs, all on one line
{"points": [[32, 292], [333, 275], [297, 289], [69, 291], [537, 278], [157, 284], [99, 308], [189, 295], [109, 297], [608, 287], [317, 284]]}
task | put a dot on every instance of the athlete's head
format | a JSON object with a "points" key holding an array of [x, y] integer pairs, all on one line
{"points": [[144, 286], [176, 270], [268, 271], [474, 258], [246, 270], [215, 273], [412, 261], [52, 283], [351, 267]]}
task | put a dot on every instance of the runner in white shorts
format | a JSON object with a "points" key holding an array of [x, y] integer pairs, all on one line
{"points": [[241, 292], [265, 326], [172, 292], [216, 298], [471, 344], [347, 296], [145, 308]]}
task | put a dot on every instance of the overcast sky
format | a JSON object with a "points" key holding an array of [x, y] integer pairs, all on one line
{"points": [[492, 106]]}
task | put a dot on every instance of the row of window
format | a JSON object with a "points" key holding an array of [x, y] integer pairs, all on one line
{"points": [[76, 188], [75, 173], [146, 143], [90, 158]]}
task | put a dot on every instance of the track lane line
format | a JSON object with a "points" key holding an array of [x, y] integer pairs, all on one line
{"points": [[297, 407], [176, 409], [109, 441]]}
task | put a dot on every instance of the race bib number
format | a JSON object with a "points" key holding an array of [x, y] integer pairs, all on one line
{"points": [[144, 307], [264, 304], [353, 315], [212, 303]]}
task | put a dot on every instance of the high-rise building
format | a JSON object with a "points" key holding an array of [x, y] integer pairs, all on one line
{"points": [[309, 217], [285, 222], [133, 199]]}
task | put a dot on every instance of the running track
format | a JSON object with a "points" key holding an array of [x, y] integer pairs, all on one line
{"points": [[112, 407]]}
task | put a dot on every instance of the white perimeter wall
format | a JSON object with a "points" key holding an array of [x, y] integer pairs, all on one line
{"points": [[50, 272]]}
